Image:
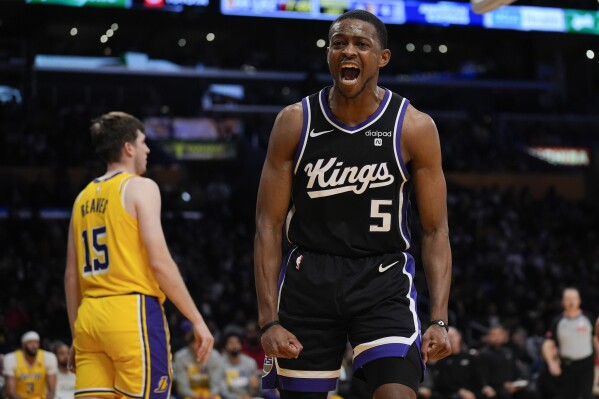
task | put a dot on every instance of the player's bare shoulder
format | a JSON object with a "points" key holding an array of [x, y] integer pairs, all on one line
{"points": [[419, 133], [142, 182], [141, 191], [287, 130]]}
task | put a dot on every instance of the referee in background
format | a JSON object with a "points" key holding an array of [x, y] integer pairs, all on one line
{"points": [[568, 349]]}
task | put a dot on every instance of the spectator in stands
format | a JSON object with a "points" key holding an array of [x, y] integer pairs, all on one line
{"points": [[194, 381], [568, 349], [2, 379], [501, 376], [425, 389], [241, 371], [65, 378], [30, 372], [251, 343], [456, 376]]}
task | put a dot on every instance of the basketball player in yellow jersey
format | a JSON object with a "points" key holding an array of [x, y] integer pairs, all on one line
{"points": [[119, 271], [30, 371]]}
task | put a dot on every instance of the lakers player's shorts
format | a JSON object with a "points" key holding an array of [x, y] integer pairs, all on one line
{"points": [[122, 348], [327, 301]]}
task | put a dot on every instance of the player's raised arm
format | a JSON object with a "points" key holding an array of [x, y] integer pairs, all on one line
{"points": [[142, 196], [421, 141], [274, 196]]}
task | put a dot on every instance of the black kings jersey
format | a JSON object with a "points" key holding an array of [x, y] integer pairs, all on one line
{"points": [[351, 187]]}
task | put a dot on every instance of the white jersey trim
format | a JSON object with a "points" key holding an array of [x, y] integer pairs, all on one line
{"points": [[353, 130]]}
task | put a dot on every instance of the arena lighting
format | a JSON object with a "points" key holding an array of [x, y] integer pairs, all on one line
{"points": [[442, 49], [210, 37], [590, 54], [410, 47], [567, 156], [320, 43], [73, 31]]}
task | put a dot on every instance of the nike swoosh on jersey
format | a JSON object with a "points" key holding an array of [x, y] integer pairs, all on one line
{"points": [[384, 269], [316, 134]]}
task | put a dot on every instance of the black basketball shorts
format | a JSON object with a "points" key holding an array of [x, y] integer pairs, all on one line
{"points": [[328, 300]]}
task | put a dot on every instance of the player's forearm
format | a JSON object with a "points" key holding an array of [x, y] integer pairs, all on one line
{"points": [[10, 389], [14, 395], [51, 382], [169, 278], [267, 265], [73, 298], [550, 353], [436, 258]]}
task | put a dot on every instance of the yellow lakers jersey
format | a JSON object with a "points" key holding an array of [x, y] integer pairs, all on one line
{"points": [[111, 257], [30, 379]]}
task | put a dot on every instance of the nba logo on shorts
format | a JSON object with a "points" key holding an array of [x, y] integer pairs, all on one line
{"points": [[267, 365], [378, 142]]}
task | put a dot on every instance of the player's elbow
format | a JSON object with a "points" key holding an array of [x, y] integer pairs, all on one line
{"points": [[162, 265], [436, 230], [70, 276]]}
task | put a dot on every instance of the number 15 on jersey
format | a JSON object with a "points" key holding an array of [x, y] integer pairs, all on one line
{"points": [[96, 251]]}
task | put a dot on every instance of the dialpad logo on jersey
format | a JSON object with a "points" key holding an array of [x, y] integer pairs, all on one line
{"points": [[331, 177], [378, 133], [378, 142]]}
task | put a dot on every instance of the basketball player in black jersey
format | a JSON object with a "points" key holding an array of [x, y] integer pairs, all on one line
{"points": [[338, 173]]}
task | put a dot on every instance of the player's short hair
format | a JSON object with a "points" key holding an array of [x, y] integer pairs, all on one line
{"points": [[230, 335], [111, 131], [381, 29]]}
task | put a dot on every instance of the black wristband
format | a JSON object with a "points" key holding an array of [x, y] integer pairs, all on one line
{"points": [[440, 323], [269, 325]]}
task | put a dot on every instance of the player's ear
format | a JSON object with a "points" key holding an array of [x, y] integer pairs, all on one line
{"points": [[128, 149], [385, 57]]}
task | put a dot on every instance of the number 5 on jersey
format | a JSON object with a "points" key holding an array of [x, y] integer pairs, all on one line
{"points": [[385, 217], [96, 251]]}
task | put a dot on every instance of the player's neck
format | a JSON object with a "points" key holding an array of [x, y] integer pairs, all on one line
{"points": [[571, 313], [29, 359], [234, 360], [116, 167], [355, 110]]}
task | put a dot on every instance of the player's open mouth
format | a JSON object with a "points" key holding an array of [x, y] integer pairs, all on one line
{"points": [[350, 73]]}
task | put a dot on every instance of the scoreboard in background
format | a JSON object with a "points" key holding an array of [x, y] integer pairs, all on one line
{"points": [[165, 5], [521, 18]]}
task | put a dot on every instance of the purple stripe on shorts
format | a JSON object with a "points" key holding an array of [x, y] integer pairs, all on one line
{"points": [[307, 384], [379, 352], [144, 338], [160, 379]]}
